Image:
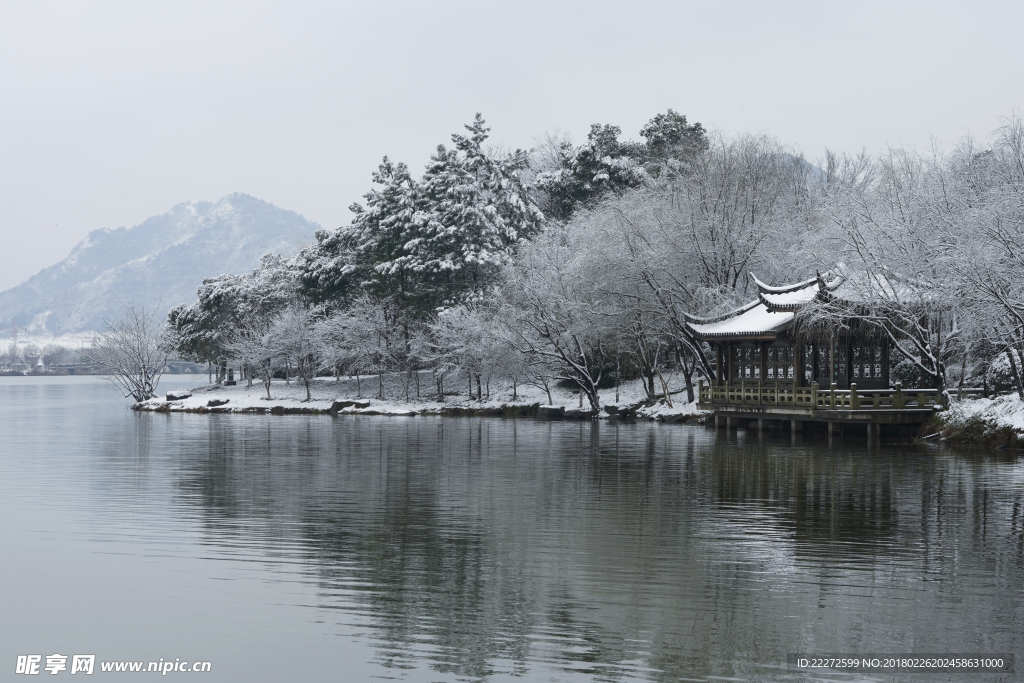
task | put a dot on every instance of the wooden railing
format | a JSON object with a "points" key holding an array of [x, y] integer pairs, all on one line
{"points": [[783, 394]]}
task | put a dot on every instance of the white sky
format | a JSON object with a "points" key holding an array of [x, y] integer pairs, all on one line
{"points": [[115, 111]]}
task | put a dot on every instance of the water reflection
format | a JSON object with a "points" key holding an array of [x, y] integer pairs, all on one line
{"points": [[487, 549], [481, 546]]}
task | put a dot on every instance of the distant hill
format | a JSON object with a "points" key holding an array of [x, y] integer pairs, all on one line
{"points": [[158, 263]]}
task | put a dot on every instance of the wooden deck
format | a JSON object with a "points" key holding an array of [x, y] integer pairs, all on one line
{"points": [[767, 401]]}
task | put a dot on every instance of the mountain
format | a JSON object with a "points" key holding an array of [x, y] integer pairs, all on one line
{"points": [[158, 263]]}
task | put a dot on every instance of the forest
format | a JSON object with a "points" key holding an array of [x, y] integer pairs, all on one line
{"points": [[584, 265]]}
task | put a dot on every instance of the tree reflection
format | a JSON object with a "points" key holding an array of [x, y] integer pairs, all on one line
{"points": [[479, 546]]}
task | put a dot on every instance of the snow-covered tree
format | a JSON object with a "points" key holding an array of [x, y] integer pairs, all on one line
{"points": [[226, 304], [681, 249], [587, 173], [554, 313], [430, 243], [570, 178], [293, 334], [55, 354], [133, 352], [886, 239], [984, 193], [255, 345]]}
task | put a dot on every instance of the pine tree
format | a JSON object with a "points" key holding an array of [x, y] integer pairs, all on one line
{"points": [[430, 244], [478, 211]]}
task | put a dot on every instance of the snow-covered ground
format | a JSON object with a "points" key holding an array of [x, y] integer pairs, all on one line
{"points": [[1003, 410], [325, 391]]}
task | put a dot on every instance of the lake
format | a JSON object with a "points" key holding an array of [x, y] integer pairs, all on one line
{"points": [[483, 549]]}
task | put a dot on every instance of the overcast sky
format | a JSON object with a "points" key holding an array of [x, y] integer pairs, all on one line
{"points": [[116, 111]]}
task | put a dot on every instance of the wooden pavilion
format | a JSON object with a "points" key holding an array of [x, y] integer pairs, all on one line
{"points": [[768, 368]]}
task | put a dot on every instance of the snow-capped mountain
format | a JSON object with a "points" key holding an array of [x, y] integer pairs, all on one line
{"points": [[158, 263]]}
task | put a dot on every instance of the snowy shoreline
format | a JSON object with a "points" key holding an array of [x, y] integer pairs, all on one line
{"points": [[988, 422], [344, 397]]}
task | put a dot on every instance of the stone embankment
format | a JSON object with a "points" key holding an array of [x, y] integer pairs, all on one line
{"points": [[290, 400]]}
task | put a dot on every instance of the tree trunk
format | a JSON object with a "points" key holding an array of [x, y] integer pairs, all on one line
{"points": [[1016, 374], [963, 374], [688, 368], [617, 372], [664, 388], [1021, 358], [359, 387], [591, 390]]}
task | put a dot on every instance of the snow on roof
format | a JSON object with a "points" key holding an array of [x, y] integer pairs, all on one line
{"points": [[751, 320], [783, 289], [789, 300], [772, 311], [791, 297]]}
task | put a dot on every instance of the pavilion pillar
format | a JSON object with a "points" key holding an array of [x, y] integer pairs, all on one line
{"points": [[798, 363], [729, 361], [831, 431], [832, 364], [764, 364], [886, 382]]}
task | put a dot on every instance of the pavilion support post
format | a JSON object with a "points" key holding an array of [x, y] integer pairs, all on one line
{"points": [[796, 426], [730, 422], [761, 424], [764, 364], [831, 431]]}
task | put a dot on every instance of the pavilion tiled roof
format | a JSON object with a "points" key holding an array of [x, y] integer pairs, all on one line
{"points": [[753, 320], [772, 312]]}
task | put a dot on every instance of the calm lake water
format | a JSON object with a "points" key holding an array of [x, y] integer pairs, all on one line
{"points": [[303, 548]]}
